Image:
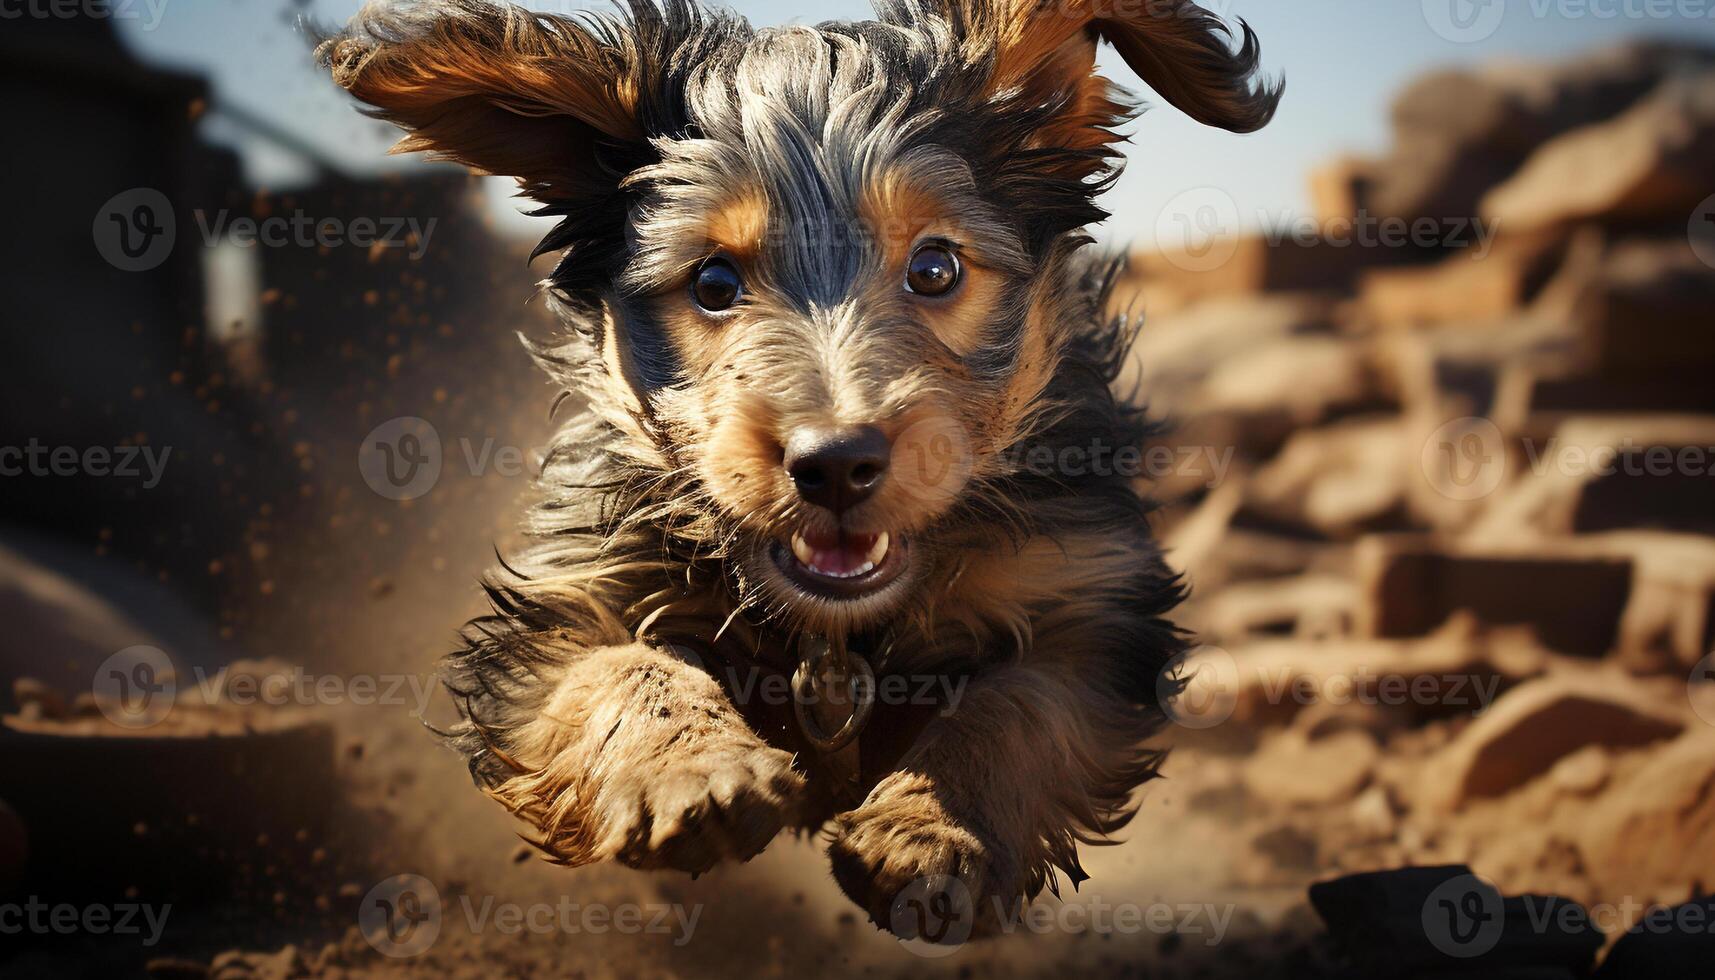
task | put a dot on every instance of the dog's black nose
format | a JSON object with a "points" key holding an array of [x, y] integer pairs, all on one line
{"points": [[837, 467]]}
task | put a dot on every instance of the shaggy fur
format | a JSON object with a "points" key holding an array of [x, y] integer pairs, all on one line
{"points": [[599, 695]]}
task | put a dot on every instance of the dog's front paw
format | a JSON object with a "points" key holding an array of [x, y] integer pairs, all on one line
{"points": [[918, 868], [688, 809]]}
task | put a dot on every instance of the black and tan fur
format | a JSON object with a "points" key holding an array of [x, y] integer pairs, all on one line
{"points": [[814, 158]]}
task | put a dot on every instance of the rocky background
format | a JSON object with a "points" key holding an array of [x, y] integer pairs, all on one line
{"points": [[1440, 478]]}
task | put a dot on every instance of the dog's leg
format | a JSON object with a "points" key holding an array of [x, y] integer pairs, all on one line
{"points": [[638, 755], [995, 794]]}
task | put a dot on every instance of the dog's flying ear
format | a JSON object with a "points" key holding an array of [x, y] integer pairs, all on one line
{"points": [[1181, 50], [1184, 52], [499, 89]]}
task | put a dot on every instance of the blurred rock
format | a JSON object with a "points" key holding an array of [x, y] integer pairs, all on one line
{"points": [[1292, 770], [1537, 724], [1644, 315], [1308, 378], [1412, 585], [49, 703], [1481, 282], [1336, 481], [1584, 772], [1248, 264], [1175, 352], [1373, 817], [1458, 133], [1447, 675], [1340, 188], [1649, 163], [1309, 607], [1654, 828], [1611, 472]]}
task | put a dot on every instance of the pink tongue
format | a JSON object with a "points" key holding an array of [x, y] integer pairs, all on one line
{"points": [[837, 555]]}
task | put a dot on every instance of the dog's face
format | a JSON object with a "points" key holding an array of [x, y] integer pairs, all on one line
{"points": [[829, 263]]}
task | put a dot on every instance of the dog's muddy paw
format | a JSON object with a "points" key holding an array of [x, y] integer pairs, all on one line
{"points": [[918, 870], [688, 809]]}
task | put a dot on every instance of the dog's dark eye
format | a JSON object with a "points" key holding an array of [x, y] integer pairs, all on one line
{"points": [[933, 271], [716, 285]]}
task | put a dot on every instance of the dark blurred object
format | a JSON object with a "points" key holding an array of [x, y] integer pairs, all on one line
{"points": [[109, 357], [248, 366], [189, 819], [1418, 922], [14, 849], [1667, 942]]}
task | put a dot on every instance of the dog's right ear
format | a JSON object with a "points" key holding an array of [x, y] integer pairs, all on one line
{"points": [[549, 100]]}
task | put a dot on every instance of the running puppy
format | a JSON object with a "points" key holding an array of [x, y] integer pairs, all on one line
{"points": [[827, 303]]}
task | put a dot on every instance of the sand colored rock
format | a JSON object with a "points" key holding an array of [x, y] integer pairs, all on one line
{"points": [[1483, 281], [1413, 585], [1335, 480], [1539, 723], [1657, 825], [1650, 162]]}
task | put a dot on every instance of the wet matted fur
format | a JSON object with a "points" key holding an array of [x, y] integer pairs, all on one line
{"points": [[601, 697]]}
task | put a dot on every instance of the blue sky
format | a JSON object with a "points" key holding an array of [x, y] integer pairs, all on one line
{"points": [[1343, 60]]}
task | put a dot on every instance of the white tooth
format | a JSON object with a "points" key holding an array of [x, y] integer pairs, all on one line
{"points": [[877, 551], [801, 549]]}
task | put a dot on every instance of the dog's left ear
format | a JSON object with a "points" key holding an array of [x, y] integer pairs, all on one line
{"points": [[542, 98], [1045, 49]]}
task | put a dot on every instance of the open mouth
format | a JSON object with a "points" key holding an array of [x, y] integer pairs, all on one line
{"points": [[841, 564]]}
